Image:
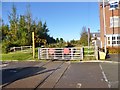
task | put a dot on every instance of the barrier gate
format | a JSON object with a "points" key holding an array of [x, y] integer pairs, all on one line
{"points": [[60, 53]]}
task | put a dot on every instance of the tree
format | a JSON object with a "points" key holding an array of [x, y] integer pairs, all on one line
{"points": [[45, 30], [61, 40], [28, 24], [57, 40], [84, 37], [72, 41], [13, 19], [22, 32], [20, 28]]}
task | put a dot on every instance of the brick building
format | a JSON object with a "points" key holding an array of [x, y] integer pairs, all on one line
{"points": [[112, 23]]}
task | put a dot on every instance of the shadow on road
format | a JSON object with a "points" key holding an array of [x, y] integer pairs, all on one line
{"points": [[11, 75]]}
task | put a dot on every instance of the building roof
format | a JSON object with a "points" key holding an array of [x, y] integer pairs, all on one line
{"points": [[106, 2], [96, 33]]}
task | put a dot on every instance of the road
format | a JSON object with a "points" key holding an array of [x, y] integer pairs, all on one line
{"points": [[59, 74]]}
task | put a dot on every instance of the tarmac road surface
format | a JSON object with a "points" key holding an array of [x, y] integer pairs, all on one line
{"points": [[58, 74], [82, 75]]}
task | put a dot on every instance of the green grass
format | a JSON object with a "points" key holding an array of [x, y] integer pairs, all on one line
{"points": [[89, 51], [89, 58], [19, 55], [74, 61]]}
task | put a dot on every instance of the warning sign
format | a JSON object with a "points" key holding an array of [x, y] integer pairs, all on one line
{"points": [[66, 51], [51, 51]]}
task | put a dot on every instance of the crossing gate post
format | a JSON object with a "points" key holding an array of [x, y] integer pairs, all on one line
{"points": [[39, 53], [72, 53], [62, 53], [47, 53], [82, 53], [96, 52]]}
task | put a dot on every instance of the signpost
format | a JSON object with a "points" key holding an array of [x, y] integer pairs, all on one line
{"points": [[88, 39], [33, 45]]}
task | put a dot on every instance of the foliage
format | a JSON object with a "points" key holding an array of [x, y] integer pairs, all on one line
{"points": [[113, 50], [84, 37], [20, 28], [56, 45]]}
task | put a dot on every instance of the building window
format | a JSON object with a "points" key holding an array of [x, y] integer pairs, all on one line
{"points": [[113, 42], [108, 40], [118, 37], [118, 42], [114, 21], [113, 38]]}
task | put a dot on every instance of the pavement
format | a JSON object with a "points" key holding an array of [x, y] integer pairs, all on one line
{"points": [[59, 74], [113, 57]]}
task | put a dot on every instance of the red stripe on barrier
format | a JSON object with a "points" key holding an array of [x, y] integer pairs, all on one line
{"points": [[66, 51]]}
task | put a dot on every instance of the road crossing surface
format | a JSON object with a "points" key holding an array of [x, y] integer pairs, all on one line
{"points": [[56, 74]]}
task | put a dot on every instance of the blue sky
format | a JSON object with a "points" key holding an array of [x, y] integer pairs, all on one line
{"points": [[64, 19]]}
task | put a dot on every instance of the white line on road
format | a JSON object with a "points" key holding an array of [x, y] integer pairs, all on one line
{"points": [[104, 76], [78, 85], [3, 65]]}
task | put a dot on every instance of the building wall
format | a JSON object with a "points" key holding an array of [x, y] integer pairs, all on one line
{"points": [[109, 30]]}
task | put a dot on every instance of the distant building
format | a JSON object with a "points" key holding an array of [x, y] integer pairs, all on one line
{"points": [[112, 21], [95, 37]]}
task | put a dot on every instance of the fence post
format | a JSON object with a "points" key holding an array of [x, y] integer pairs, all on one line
{"points": [[38, 53], [82, 51], [14, 49], [96, 52], [21, 48], [72, 53], [47, 53], [62, 53]]}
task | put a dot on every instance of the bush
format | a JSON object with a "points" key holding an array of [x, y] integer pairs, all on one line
{"points": [[6, 46], [113, 49]]}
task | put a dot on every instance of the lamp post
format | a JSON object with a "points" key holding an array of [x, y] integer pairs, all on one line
{"points": [[104, 26]]}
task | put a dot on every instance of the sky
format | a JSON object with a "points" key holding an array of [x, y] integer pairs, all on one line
{"points": [[64, 19]]}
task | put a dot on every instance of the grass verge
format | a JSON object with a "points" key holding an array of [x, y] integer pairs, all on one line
{"points": [[18, 55]]}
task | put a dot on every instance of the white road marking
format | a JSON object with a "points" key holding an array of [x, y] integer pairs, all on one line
{"points": [[104, 76], [3, 65], [13, 71], [79, 85]]}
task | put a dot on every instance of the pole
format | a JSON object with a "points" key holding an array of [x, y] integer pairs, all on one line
{"points": [[104, 26], [88, 39], [33, 45]]}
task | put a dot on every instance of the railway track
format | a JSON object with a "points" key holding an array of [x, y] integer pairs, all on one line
{"points": [[30, 78]]}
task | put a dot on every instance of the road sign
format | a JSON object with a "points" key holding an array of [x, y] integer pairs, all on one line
{"points": [[114, 4]]}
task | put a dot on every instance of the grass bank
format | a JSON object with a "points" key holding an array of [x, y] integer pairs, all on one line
{"points": [[17, 56]]}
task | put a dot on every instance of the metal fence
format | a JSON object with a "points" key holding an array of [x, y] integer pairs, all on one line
{"points": [[22, 48], [76, 53], [60, 53]]}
